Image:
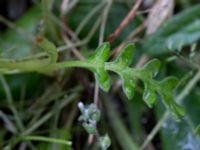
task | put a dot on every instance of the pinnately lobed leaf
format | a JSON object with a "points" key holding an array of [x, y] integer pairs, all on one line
{"points": [[147, 73], [98, 65]]}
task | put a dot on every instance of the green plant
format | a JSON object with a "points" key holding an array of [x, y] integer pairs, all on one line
{"points": [[197, 130], [40, 88], [98, 65], [179, 31], [90, 116]]}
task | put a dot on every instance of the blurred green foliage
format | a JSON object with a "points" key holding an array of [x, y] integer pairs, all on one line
{"points": [[47, 106]]}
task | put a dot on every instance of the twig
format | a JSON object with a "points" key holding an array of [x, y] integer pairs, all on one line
{"points": [[179, 98], [66, 31], [143, 59], [84, 41], [128, 39], [96, 93], [71, 6], [104, 20], [73, 49], [64, 6], [125, 22]]}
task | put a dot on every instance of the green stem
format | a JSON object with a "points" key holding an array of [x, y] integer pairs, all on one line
{"points": [[76, 63], [46, 139], [48, 115], [46, 67], [23, 66], [42, 65], [11, 104]]}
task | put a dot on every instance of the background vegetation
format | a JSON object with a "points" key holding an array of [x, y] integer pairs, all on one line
{"points": [[42, 110]]}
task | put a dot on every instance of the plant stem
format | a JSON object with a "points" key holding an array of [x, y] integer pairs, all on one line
{"points": [[179, 98], [76, 63], [48, 115], [40, 65], [11, 104], [8, 122], [88, 17], [125, 21], [46, 139]]}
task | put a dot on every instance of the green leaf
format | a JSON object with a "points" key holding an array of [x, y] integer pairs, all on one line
{"points": [[181, 30], [103, 79], [169, 83], [101, 54], [180, 135], [120, 63], [17, 44], [149, 95], [152, 67], [98, 65], [125, 57], [166, 91], [150, 70], [128, 85], [176, 110], [91, 129], [98, 59], [197, 130], [105, 142]]}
